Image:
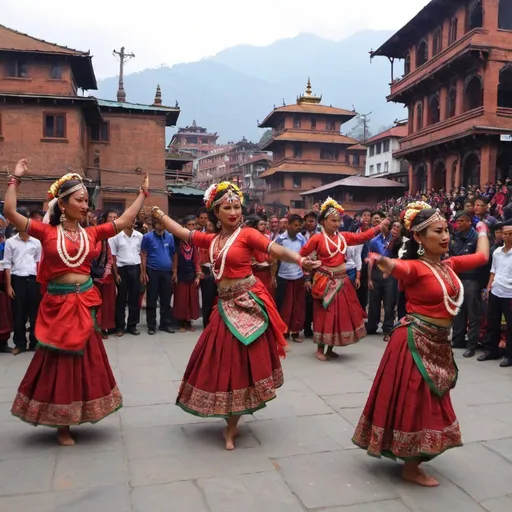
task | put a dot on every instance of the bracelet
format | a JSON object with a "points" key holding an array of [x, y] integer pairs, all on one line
{"points": [[13, 182], [481, 234], [301, 261], [145, 192], [14, 177]]}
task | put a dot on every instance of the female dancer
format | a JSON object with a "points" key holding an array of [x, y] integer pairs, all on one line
{"points": [[235, 367], [409, 414], [338, 318], [69, 380], [186, 277]]}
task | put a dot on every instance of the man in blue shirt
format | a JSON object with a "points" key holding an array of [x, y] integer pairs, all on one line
{"points": [[382, 288], [291, 283], [157, 251]]}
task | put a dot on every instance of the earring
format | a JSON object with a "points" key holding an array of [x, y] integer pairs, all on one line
{"points": [[219, 224], [421, 250], [63, 216]]}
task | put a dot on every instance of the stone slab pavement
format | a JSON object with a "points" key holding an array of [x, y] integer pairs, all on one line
{"points": [[293, 456]]}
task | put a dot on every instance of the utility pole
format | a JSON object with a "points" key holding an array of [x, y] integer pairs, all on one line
{"points": [[123, 57], [365, 119]]}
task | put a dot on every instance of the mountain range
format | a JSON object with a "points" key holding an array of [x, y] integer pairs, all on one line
{"points": [[229, 92]]}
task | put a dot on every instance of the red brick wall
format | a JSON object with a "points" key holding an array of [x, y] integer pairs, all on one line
{"points": [[22, 132], [39, 80], [135, 141]]}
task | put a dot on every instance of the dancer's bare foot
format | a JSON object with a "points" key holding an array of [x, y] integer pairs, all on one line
{"points": [[230, 436], [321, 356], [296, 338], [191, 329], [416, 475], [64, 437], [332, 355]]}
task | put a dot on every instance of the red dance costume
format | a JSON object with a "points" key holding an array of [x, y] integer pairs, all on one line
{"points": [[263, 273], [106, 315], [6, 319], [186, 293], [69, 380], [409, 413], [338, 318], [235, 367]]}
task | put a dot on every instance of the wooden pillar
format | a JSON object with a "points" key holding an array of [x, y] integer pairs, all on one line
{"points": [[458, 171], [425, 111], [488, 156], [411, 179], [490, 85], [443, 96], [459, 103], [430, 178], [450, 159], [490, 11]]}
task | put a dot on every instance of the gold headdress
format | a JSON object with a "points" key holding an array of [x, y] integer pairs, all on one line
{"points": [[331, 207], [233, 193], [54, 192], [413, 209]]}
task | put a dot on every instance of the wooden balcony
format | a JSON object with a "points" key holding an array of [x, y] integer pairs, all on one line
{"points": [[475, 40]]}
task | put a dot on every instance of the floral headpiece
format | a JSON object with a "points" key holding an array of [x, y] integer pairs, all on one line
{"points": [[232, 194], [54, 192], [331, 207], [413, 209]]}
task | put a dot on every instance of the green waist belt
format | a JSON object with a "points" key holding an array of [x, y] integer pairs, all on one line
{"points": [[65, 289]]}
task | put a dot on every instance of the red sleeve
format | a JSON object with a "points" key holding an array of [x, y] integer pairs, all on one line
{"points": [[466, 262], [405, 271], [201, 239], [38, 229], [311, 246], [197, 264], [103, 231], [360, 238], [255, 240]]}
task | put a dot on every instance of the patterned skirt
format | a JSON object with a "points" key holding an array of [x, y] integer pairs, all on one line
{"points": [[186, 301], [264, 276], [338, 318], [409, 413], [61, 389], [227, 377]]}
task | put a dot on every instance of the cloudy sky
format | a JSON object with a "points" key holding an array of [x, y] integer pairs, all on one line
{"points": [[171, 31]]}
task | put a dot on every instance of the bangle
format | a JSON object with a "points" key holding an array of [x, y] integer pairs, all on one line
{"points": [[481, 234], [145, 192], [14, 177], [13, 182]]}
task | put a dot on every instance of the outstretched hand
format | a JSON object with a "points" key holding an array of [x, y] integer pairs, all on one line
{"points": [[145, 185], [21, 167], [311, 265], [374, 257], [385, 223]]}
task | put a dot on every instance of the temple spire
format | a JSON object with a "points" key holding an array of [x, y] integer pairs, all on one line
{"points": [[158, 96], [123, 57], [308, 96]]}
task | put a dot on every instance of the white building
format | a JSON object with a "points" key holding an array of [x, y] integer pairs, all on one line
{"points": [[380, 162]]}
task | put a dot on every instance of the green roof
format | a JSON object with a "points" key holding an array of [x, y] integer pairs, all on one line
{"points": [[185, 190], [171, 113]]}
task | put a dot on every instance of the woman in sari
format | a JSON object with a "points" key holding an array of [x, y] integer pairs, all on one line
{"points": [[235, 367], [338, 318], [409, 413]]}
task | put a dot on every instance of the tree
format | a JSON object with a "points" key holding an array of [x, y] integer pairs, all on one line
{"points": [[267, 135], [361, 129]]}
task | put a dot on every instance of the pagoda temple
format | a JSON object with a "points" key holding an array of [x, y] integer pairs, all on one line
{"points": [[194, 140], [308, 149]]}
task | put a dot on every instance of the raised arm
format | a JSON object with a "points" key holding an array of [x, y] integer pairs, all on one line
{"points": [[170, 225], [11, 196], [479, 258], [126, 219], [361, 238]]}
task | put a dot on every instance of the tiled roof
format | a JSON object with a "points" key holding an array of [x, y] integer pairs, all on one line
{"points": [[356, 147], [396, 131], [311, 136], [356, 181], [311, 168], [185, 190], [11, 39], [307, 108]]}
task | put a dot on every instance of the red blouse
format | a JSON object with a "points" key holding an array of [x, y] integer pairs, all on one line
{"points": [[423, 293], [318, 243], [239, 256], [51, 264]]}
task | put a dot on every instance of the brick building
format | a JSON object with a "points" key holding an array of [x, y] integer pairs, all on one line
{"points": [[308, 149], [42, 115], [457, 86]]}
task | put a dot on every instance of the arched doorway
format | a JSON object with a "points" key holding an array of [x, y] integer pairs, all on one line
{"points": [[473, 93], [505, 87], [504, 163], [420, 178], [439, 177], [471, 169]]}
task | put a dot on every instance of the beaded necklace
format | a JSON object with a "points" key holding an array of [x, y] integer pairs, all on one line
{"points": [[336, 245], [83, 247], [452, 305], [222, 253]]}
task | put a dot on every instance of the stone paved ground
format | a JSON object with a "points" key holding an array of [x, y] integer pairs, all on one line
{"points": [[295, 455]]}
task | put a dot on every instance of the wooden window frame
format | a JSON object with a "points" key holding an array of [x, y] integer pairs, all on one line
{"points": [[59, 67], [452, 33], [55, 114], [17, 63], [99, 141], [437, 38]]}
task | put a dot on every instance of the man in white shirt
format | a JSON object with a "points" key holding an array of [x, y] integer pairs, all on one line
{"points": [[499, 304], [125, 248], [22, 254]]}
